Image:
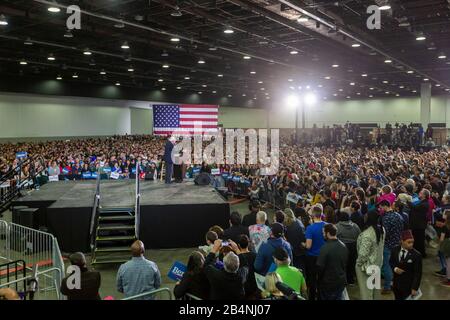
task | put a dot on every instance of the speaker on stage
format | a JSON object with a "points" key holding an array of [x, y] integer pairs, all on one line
{"points": [[203, 179]]}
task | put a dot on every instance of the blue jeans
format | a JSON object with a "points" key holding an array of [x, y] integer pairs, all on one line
{"points": [[386, 269], [169, 172], [442, 261], [331, 294]]}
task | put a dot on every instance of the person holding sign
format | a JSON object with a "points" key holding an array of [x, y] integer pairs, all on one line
{"points": [[194, 280]]}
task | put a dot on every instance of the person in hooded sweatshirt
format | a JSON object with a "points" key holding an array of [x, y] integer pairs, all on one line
{"points": [[348, 232]]}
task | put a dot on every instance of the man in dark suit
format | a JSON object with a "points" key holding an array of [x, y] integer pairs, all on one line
{"points": [[89, 283], [227, 284], [250, 219], [236, 228], [406, 262], [168, 159], [418, 221]]}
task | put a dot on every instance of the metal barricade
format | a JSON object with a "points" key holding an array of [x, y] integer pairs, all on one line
{"points": [[36, 248], [155, 294], [48, 283]]}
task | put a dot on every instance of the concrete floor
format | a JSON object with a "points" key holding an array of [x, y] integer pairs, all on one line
{"points": [[431, 288]]}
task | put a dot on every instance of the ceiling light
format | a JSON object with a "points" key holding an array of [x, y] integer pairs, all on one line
{"points": [[214, 91], [421, 37], [220, 75], [385, 81], [319, 86], [410, 71], [201, 61], [160, 80], [401, 87], [442, 56], [68, 34], [103, 72], [87, 52], [414, 91], [397, 95], [260, 82], [341, 90], [302, 19], [335, 66], [165, 66], [58, 78], [335, 94], [130, 69], [370, 96], [163, 89], [228, 30], [117, 83], [290, 80], [204, 85], [385, 7], [230, 95], [3, 21], [54, 9], [387, 92], [178, 88], [51, 57], [426, 79], [252, 72], [327, 78], [187, 78], [23, 62], [28, 42], [387, 61], [176, 12], [75, 76], [348, 97], [294, 52], [244, 95], [247, 57], [212, 49], [125, 45], [119, 25], [358, 93], [175, 39], [364, 75], [371, 88], [437, 85], [352, 83], [356, 45]]}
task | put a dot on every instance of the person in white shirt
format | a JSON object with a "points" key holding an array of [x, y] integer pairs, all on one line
{"points": [[259, 232]]}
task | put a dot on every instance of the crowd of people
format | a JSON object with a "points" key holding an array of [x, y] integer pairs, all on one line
{"points": [[355, 210]]}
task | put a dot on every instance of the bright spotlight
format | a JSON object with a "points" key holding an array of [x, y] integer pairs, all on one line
{"points": [[310, 99], [292, 101]]}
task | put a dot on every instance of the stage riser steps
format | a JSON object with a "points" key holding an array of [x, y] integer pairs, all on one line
{"points": [[114, 235]]}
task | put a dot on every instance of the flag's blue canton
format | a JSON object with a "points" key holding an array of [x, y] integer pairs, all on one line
{"points": [[166, 116]]}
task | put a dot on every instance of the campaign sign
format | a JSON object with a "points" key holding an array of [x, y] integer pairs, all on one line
{"points": [[107, 170], [86, 175], [177, 271], [94, 175], [115, 175], [53, 178], [293, 197], [215, 172], [21, 155], [65, 170], [196, 170]]}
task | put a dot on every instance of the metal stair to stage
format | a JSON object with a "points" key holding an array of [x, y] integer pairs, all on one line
{"points": [[115, 232]]}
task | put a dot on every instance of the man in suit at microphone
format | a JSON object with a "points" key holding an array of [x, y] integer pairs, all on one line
{"points": [[406, 262], [168, 158]]}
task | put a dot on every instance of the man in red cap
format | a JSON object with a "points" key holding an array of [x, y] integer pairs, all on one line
{"points": [[406, 262]]}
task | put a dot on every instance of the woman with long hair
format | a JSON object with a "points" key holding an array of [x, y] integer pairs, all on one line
{"points": [[194, 280], [369, 246]]}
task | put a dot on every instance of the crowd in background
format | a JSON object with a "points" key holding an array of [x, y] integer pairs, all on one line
{"points": [[375, 207]]}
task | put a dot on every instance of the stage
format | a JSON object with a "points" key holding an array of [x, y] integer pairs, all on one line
{"points": [[172, 216]]}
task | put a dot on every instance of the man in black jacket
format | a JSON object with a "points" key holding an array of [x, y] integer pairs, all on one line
{"points": [[418, 221], [236, 228], [227, 284], [250, 219], [406, 262], [89, 282]]}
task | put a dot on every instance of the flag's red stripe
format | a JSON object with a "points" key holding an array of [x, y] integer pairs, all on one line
{"points": [[207, 126], [199, 112], [198, 106]]}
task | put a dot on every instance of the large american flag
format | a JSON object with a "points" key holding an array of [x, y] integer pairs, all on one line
{"points": [[185, 119]]}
